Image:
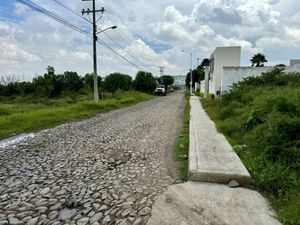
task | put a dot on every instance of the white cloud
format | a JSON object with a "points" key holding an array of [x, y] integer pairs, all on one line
{"points": [[198, 26], [11, 52]]}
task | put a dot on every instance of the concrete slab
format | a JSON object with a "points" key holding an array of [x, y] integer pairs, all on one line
{"points": [[195, 203], [211, 158]]}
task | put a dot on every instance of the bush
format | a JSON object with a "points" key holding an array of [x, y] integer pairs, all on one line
{"points": [[144, 82], [263, 115], [116, 81]]}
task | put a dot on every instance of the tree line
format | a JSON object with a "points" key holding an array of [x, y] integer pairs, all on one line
{"points": [[53, 85]]}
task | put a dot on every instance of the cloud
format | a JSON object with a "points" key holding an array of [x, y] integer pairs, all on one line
{"points": [[11, 52], [198, 26]]}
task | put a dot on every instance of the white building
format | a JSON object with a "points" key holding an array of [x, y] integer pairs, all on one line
{"points": [[221, 57], [223, 69]]}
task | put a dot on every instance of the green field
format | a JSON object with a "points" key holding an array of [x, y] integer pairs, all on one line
{"points": [[18, 117]]}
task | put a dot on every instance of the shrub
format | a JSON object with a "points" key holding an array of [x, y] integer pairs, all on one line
{"points": [[144, 82], [116, 81], [262, 114]]}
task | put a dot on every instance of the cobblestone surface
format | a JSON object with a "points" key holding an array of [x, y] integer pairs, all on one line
{"points": [[105, 170]]}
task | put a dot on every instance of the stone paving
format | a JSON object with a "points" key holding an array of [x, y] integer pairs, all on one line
{"points": [[105, 170]]}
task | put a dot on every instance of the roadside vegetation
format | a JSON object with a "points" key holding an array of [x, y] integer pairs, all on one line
{"points": [[260, 117], [182, 143], [16, 118], [53, 99]]}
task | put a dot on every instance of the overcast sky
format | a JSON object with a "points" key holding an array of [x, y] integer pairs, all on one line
{"points": [[150, 33]]}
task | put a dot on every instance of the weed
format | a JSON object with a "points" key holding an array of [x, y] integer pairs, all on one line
{"points": [[262, 114], [182, 143], [18, 118]]}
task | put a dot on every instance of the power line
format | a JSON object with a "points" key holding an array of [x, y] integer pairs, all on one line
{"points": [[53, 16], [121, 47], [60, 20], [123, 57], [103, 33], [122, 21], [71, 10]]}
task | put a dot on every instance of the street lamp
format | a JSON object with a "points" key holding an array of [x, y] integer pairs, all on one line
{"points": [[95, 38], [112, 27], [191, 77]]}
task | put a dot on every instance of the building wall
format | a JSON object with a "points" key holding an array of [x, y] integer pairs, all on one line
{"points": [[235, 74], [202, 87], [222, 56]]}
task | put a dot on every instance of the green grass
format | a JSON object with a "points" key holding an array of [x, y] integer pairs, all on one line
{"points": [[262, 123], [18, 118], [182, 143]]}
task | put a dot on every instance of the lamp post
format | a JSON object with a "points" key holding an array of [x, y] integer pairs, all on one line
{"points": [[112, 27], [191, 77], [96, 92]]}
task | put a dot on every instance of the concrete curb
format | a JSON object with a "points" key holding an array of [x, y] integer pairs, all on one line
{"points": [[211, 158]]}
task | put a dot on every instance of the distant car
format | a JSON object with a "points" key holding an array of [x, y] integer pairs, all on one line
{"points": [[160, 90]]}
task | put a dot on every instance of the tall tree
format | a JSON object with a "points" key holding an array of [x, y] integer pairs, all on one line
{"points": [[88, 80], [198, 75], [50, 69], [145, 82], [258, 60], [72, 81], [116, 81]]}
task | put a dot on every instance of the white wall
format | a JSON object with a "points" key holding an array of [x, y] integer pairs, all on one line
{"points": [[235, 74], [202, 86], [222, 56], [295, 67]]}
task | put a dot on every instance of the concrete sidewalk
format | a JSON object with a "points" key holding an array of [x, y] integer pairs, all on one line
{"points": [[211, 160], [195, 203]]}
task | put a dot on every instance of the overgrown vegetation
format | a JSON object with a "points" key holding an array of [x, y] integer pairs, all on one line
{"points": [[20, 117], [53, 98], [182, 143], [52, 85], [261, 118]]}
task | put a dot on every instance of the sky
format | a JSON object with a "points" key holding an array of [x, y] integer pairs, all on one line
{"points": [[149, 34]]}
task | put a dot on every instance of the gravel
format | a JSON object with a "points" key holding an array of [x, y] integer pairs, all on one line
{"points": [[108, 169]]}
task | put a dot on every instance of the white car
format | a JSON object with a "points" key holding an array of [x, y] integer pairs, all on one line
{"points": [[160, 90]]}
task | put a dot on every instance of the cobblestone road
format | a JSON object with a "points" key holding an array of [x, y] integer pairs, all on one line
{"points": [[105, 170]]}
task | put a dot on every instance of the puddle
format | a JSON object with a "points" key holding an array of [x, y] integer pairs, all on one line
{"points": [[13, 141]]}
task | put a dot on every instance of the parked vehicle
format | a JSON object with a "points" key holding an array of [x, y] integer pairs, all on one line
{"points": [[160, 90]]}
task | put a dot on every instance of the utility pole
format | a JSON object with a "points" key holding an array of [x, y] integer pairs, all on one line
{"points": [[94, 11], [161, 70], [191, 87], [191, 73]]}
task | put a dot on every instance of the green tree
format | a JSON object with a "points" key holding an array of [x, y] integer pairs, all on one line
{"points": [[50, 70], [72, 81], [198, 76], [145, 82], [88, 80], [116, 81], [258, 60], [49, 85], [166, 80]]}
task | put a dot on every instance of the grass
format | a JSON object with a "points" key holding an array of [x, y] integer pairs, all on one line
{"points": [[182, 143], [18, 117], [262, 123]]}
